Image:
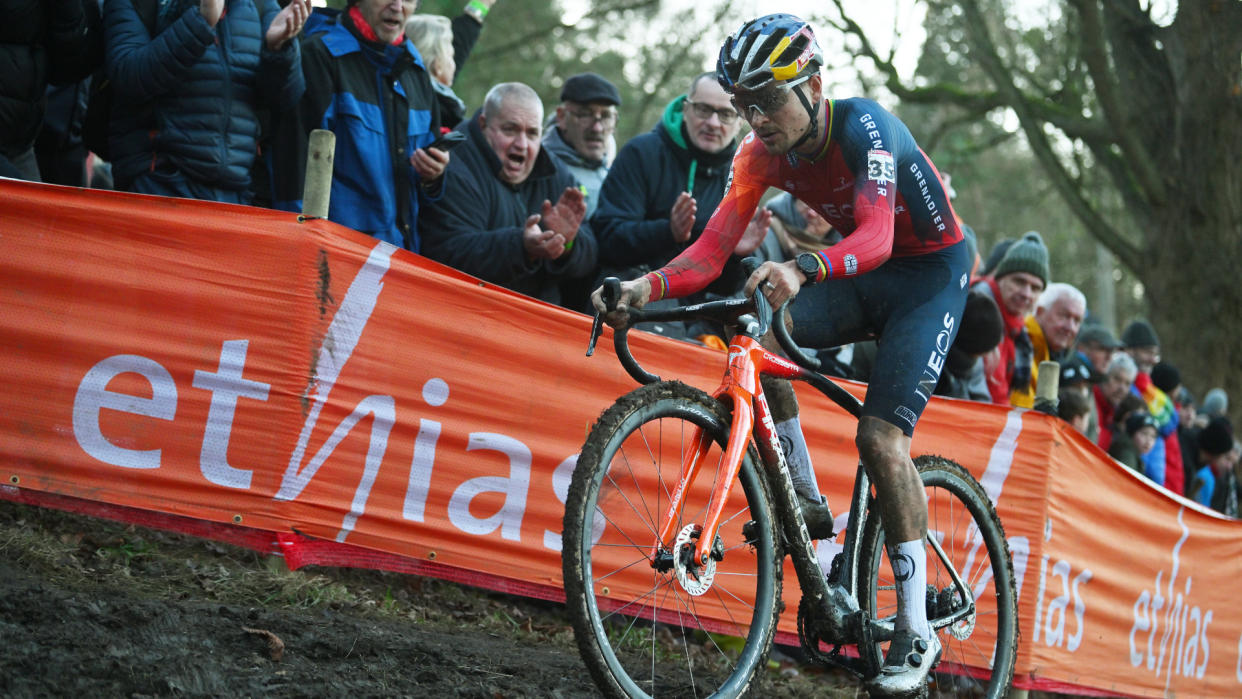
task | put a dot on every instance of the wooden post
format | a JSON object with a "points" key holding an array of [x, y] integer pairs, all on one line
{"points": [[318, 187], [1046, 388]]}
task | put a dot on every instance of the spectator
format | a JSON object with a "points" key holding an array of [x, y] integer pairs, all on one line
{"points": [[368, 85], [1187, 435], [1164, 463], [1015, 285], [1215, 404], [1215, 484], [43, 42], [585, 121], [1167, 378], [1119, 379], [1077, 377], [1053, 329], [1141, 342], [981, 331], [995, 255], [432, 35], [793, 227], [1075, 408], [662, 189], [170, 131], [1132, 438], [1097, 344], [496, 221]]}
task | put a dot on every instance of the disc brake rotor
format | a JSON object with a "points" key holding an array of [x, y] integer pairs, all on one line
{"points": [[694, 578]]}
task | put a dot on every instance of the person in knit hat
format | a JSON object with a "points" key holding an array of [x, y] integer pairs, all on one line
{"points": [[1142, 343], [1215, 403], [1214, 485], [1015, 285]]}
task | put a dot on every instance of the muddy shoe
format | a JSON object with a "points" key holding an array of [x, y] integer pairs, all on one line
{"points": [[817, 515], [910, 659]]}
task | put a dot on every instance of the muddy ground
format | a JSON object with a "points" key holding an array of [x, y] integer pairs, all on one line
{"points": [[95, 608], [92, 608]]}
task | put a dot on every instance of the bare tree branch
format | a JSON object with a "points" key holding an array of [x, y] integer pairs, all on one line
{"points": [[990, 61], [1115, 112]]}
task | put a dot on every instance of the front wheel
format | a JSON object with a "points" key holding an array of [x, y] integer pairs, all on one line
{"points": [[980, 643], [654, 623]]}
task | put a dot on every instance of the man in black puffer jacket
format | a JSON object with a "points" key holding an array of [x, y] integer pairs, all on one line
{"points": [[184, 123], [42, 42], [512, 213]]}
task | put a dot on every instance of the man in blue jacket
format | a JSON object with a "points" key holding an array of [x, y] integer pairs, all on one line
{"points": [[187, 87], [496, 219], [367, 84]]}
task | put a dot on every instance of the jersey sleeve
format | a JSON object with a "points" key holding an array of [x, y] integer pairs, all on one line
{"points": [[869, 147], [703, 261]]}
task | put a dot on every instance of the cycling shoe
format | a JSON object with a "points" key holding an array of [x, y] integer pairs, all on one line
{"points": [[909, 661], [817, 516]]}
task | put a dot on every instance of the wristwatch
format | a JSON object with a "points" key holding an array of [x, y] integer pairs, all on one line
{"points": [[809, 265]]}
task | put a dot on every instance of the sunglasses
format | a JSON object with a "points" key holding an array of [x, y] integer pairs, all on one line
{"points": [[766, 101]]}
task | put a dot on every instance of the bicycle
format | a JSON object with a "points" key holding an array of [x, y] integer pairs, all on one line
{"points": [[673, 580]]}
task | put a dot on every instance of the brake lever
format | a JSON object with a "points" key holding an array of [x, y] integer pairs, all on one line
{"points": [[610, 294]]}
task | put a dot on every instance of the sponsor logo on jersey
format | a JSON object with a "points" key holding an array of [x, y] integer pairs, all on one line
{"points": [[851, 264], [906, 414]]}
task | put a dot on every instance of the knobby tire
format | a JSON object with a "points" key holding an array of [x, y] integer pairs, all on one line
{"points": [[639, 632], [958, 511]]}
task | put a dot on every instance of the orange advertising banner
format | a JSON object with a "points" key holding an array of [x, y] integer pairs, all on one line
{"points": [[252, 371]]}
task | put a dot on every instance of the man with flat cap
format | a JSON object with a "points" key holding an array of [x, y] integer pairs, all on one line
{"points": [[585, 121]]}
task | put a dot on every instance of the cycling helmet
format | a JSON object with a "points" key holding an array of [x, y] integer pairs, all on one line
{"points": [[773, 49]]}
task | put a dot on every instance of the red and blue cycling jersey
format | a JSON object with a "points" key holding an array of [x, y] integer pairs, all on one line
{"points": [[871, 182]]}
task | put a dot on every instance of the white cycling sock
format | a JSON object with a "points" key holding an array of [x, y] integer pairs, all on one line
{"points": [[798, 458], [909, 561]]}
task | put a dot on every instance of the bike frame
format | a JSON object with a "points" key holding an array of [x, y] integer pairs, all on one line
{"points": [[751, 418]]}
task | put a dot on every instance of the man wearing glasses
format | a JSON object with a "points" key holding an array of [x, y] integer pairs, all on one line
{"points": [[583, 134], [664, 186], [900, 273]]}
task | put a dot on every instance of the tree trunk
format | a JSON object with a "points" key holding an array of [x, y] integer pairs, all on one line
{"points": [[1194, 241]]}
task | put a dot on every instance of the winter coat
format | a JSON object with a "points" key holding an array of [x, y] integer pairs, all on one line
{"points": [[379, 122], [477, 226], [186, 98], [632, 218], [589, 173], [42, 42]]}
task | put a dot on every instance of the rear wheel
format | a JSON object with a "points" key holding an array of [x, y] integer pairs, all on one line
{"points": [[980, 648], [657, 624]]}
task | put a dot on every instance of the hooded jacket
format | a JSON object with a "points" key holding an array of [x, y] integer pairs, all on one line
{"points": [[379, 102], [589, 173], [632, 218], [477, 226]]}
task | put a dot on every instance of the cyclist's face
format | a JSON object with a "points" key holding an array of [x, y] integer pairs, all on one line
{"points": [[1060, 322], [513, 133], [776, 114], [586, 127], [1019, 292], [709, 134]]}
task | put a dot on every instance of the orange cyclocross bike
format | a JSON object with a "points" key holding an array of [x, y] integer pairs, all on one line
{"points": [[673, 573]]}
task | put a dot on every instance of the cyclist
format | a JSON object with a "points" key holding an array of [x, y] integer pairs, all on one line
{"points": [[899, 274]]}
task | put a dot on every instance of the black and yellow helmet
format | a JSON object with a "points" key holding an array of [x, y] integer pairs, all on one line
{"points": [[773, 49]]}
